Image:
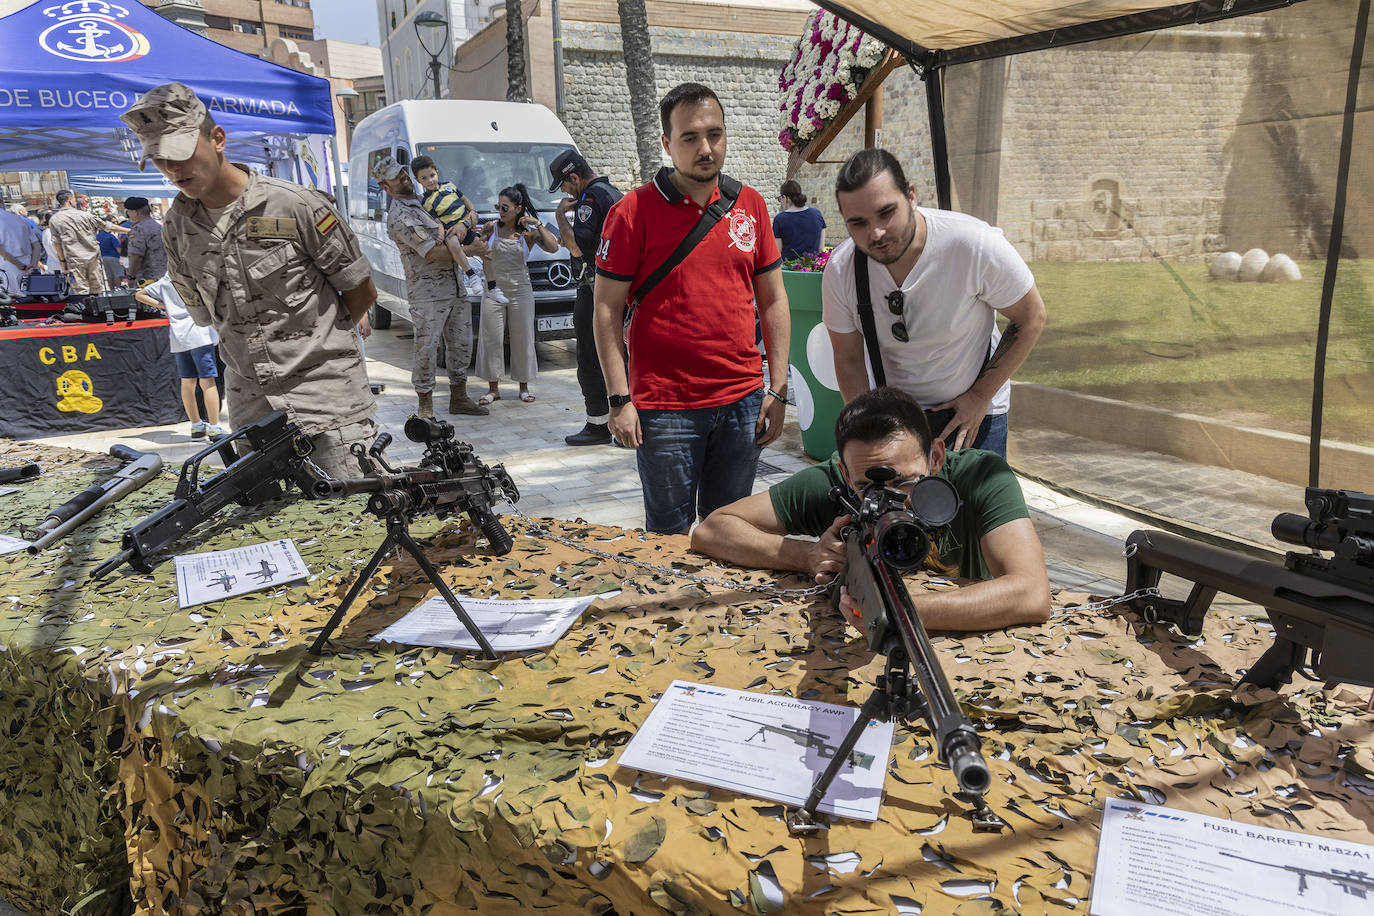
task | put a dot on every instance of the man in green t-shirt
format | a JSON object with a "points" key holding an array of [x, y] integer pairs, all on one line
{"points": [[991, 539]]}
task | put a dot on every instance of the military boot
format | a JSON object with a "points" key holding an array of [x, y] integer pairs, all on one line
{"points": [[460, 403], [426, 405]]}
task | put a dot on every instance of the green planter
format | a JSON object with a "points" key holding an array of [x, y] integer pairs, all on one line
{"points": [[813, 365]]}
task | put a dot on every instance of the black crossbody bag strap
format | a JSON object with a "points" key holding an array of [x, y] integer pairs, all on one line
{"points": [[729, 193], [865, 307]]}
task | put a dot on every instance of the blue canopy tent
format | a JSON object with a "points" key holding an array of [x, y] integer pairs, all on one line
{"points": [[123, 183], [70, 69]]}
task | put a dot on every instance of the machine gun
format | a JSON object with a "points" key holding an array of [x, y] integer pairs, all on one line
{"points": [[889, 534], [140, 468], [449, 479], [804, 737], [277, 454], [1354, 883], [1320, 607]]}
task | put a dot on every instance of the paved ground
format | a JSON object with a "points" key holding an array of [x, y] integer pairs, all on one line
{"points": [[1082, 537]]}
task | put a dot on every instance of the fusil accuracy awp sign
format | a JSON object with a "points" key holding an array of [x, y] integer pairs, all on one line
{"points": [[128, 50]]}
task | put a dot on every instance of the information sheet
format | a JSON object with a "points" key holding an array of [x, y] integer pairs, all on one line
{"points": [[1154, 861], [769, 746], [220, 574], [11, 544], [510, 626]]}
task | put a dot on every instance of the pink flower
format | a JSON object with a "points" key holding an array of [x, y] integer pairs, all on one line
{"points": [[785, 139], [836, 92]]}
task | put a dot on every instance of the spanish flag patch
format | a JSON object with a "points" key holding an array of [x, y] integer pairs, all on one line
{"points": [[327, 224]]}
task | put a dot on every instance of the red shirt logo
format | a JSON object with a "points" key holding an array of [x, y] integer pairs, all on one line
{"points": [[743, 234]]}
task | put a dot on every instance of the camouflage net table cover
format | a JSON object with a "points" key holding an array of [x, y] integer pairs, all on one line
{"points": [[207, 760]]}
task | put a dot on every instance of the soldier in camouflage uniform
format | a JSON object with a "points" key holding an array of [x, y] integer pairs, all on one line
{"points": [[438, 302], [78, 252], [274, 269]]}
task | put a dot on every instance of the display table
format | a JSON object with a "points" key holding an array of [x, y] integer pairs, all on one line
{"points": [[71, 378], [248, 774]]}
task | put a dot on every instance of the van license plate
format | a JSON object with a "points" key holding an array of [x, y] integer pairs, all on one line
{"points": [[557, 323]]}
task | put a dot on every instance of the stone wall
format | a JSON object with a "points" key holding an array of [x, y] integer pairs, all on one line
{"points": [[742, 69]]}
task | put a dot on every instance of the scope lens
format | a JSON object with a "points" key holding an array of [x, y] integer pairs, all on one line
{"points": [[902, 543]]}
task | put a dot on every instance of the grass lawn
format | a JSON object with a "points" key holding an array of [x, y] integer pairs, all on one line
{"points": [[1167, 336]]}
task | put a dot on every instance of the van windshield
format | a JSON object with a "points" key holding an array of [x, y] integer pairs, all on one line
{"points": [[481, 170]]}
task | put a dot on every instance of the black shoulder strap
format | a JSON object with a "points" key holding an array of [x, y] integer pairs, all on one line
{"points": [[729, 193], [865, 307]]}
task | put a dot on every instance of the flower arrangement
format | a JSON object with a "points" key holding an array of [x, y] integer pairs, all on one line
{"points": [[830, 63], [807, 263]]}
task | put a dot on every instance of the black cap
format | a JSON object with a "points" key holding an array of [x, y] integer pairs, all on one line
{"points": [[135, 203], [563, 165]]}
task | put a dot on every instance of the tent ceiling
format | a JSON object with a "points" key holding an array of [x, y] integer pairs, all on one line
{"points": [[943, 32]]}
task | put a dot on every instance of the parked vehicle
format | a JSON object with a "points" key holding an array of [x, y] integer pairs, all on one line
{"points": [[481, 147]]}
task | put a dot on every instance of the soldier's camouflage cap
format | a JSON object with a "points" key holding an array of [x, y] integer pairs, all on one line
{"points": [[167, 120], [387, 168]]}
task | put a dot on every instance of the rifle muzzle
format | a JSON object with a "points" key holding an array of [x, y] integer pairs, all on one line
{"points": [[970, 770]]}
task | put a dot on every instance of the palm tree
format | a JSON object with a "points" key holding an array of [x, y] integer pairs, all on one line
{"points": [[639, 77], [517, 85]]}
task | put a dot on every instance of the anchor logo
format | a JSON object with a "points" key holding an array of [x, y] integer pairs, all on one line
{"points": [[90, 30]]}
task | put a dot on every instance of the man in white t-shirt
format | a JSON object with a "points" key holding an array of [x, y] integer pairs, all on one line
{"points": [[936, 281], [193, 347]]}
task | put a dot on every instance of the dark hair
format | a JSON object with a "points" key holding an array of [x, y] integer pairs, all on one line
{"points": [[881, 414], [521, 196], [63, 196], [684, 94], [867, 164], [422, 162], [137, 204], [583, 170], [207, 125], [793, 192]]}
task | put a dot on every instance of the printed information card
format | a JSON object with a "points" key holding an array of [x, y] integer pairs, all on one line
{"points": [[763, 745], [1155, 861], [220, 574]]}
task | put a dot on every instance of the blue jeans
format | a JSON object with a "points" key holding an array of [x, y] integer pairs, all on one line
{"points": [[695, 461], [992, 432]]}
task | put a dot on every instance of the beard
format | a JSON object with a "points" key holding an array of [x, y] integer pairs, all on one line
{"points": [[703, 171], [894, 250]]}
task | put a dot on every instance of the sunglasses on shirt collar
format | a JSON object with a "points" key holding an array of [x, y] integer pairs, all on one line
{"points": [[896, 303]]}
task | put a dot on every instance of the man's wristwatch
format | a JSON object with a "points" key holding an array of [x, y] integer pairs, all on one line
{"points": [[618, 400]]}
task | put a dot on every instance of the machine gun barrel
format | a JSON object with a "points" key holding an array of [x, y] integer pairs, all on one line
{"points": [[140, 467]]}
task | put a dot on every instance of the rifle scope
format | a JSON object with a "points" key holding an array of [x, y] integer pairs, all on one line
{"points": [[1292, 528], [902, 523], [427, 429]]}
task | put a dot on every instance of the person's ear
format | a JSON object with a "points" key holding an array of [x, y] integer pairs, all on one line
{"points": [[937, 456]]}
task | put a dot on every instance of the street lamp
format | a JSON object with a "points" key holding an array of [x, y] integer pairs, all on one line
{"points": [[346, 97], [430, 21]]}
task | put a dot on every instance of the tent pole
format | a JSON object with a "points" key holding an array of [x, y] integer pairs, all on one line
{"points": [[939, 148], [1333, 248], [340, 192]]}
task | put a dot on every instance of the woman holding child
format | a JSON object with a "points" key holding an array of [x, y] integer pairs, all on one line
{"points": [[505, 246]]}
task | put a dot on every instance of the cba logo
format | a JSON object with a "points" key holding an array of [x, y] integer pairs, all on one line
{"points": [[90, 30], [560, 274], [76, 394]]}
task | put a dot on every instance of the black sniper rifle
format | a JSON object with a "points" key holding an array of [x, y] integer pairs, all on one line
{"points": [[1317, 605], [888, 535], [805, 737], [449, 480], [1354, 883]]}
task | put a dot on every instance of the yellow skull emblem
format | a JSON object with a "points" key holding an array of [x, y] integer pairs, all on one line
{"points": [[75, 393]]}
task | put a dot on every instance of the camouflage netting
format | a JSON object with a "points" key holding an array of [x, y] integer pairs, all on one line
{"points": [[253, 777]]}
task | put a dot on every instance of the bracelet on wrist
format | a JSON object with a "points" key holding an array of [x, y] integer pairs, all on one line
{"points": [[777, 396]]}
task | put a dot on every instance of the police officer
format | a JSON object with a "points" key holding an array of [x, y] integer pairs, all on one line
{"points": [[589, 197], [274, 269], [438, 303]]}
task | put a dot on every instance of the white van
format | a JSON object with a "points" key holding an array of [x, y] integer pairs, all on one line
{"points": [[481, 147]]}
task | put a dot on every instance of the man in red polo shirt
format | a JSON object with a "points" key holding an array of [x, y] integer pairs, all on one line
{"points": [[693, 403]]}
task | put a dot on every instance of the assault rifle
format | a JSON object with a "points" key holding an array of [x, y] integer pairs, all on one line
{"points": [[1354, 883], [804, 737], [1320, 607], [450, 479], [276, 455], [140, 468], [888, 535]]}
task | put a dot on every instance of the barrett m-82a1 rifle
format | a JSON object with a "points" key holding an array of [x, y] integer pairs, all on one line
{"points": [[1321, 608], [890, 534]]}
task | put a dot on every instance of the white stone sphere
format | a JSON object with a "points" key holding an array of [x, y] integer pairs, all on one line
{"points": [[1252, 265], [1280, 269], [1225, 266]]}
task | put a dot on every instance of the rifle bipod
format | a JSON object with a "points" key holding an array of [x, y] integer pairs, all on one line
{"points": [[893, 697], [398, 533]]}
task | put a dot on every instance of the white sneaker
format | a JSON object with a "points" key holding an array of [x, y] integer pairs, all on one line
{"points": [[495, 295], [198, 429], [214, 431], [473, 284]]}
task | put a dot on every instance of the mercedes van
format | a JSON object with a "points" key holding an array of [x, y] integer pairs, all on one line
{"points": [[481, 147]]}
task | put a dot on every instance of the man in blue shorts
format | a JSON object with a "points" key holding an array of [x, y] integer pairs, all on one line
{"points": [[193, 346]]}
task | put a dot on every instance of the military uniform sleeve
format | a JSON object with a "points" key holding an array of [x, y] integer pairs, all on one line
{"points": [[184, 282], [802, 502], [332, 245], [408, 232], [138, 242]]}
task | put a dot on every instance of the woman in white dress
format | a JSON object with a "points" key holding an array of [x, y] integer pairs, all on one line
{"points": [[505, 246]]}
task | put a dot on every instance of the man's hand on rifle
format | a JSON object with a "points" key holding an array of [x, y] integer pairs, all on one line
{"points": [[827, 555]]}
